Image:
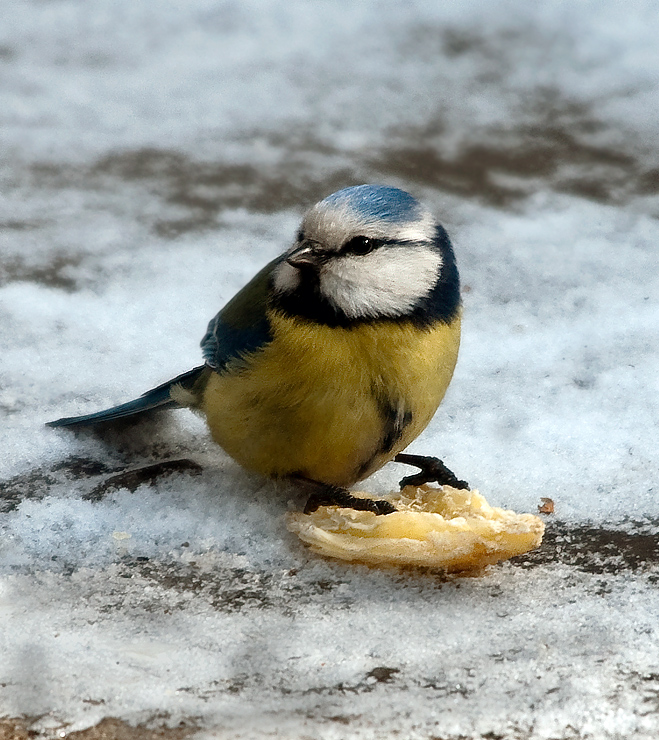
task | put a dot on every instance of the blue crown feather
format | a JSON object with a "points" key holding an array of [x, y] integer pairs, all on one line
{"points": [[377, 202]]}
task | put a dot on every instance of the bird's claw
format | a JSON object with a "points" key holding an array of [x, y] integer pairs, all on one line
{"points": [[336, 496], [433, 470]]}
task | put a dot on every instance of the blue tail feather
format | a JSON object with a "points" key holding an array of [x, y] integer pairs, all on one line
{"points": [[156, 398]]}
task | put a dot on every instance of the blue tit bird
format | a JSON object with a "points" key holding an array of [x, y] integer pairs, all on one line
{"points": [[335, 356]]}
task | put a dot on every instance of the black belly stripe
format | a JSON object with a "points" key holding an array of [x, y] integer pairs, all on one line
{"points": [[395, 417], [394, 424]]}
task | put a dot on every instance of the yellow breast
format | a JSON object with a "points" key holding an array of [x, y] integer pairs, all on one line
{"points": [[331, 404]]}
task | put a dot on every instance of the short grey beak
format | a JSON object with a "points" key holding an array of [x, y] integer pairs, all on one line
{"points": [[304, 256]]}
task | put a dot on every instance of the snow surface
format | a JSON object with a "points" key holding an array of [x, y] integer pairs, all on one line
{"points": [[154, 157]]}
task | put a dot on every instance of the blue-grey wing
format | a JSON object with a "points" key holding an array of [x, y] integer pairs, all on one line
{"points": [[242, 326]]}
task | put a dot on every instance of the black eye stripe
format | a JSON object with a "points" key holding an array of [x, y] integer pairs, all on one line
{"points": [[360, 245]]}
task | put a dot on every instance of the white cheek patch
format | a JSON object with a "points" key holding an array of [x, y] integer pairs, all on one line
{"points": [[388, 282]]}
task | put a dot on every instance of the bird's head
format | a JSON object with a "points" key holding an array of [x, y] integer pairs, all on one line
{"points": [[367, 253]]}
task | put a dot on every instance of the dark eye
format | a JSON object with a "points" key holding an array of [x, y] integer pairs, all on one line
{"points": [[359, 245]]}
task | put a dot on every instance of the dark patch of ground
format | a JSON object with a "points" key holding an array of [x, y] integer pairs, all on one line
{"points": [[598, 550], [37, 483], [198, 191], [552, 143], [146, 475], [225, 588], [503, 172], [107, 729], [57, 272], [205, 188]]}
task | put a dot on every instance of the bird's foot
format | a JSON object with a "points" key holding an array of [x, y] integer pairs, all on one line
{"points": [[327, 495], [433, 470]]}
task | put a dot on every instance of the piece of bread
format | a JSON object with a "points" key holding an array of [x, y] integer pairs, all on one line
{"points": [[434, 527]]}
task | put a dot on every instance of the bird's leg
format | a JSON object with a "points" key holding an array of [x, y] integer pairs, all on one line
{"points": [[324, 494], [432, 470]]}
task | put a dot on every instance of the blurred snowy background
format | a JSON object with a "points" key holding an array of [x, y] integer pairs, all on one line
{"points": [[154, 155]]}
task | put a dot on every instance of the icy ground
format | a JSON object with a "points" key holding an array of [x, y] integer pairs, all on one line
{"points": [[154, 156]]}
